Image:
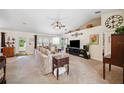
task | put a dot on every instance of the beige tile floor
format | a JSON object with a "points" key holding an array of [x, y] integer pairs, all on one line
{"points": [[27, 70]]}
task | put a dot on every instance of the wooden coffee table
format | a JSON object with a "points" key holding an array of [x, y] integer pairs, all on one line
{"points": [[60, 61]]}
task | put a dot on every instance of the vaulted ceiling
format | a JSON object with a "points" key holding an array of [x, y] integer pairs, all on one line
{"points": [[40, 20]]}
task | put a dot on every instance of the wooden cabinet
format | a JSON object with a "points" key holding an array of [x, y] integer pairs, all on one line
{"points": [[117, 53], [8, 51], [117, 50]]}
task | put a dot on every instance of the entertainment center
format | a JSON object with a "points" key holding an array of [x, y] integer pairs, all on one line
{"points": [[74, 49]]}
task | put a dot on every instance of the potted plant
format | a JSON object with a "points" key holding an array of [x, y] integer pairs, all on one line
{"points": [[120, 30]]}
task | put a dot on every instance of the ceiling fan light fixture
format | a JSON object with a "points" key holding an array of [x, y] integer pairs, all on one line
{"points": [[58, 25]]}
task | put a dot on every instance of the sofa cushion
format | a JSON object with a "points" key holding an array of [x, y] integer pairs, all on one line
{"points": [[39, 48], [44, 56], [42, 50], [52, 49], [1, 73], [47, 52]]}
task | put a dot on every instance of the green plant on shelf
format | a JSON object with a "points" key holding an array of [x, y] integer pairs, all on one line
{"points": [[120, 30]]}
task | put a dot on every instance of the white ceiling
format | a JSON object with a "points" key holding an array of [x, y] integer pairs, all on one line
{"points": [[40, 20]]}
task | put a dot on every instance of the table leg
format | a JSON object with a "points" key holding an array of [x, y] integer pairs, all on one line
{"points": [[123, 74], [109, 67], [57, 73], [104, 71], [53, 68], [4, 75], [67, 68]]}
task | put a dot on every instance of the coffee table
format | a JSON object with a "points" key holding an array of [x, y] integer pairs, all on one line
{"points": [[60, 61]]}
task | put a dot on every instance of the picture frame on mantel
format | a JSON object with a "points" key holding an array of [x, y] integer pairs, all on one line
{"points": [[94, 39]]}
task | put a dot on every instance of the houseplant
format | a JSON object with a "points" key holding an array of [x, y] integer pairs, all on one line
{"points": [[120, 30]]}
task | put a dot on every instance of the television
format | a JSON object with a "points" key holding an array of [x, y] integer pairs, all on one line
{"points": [[75, 43]]}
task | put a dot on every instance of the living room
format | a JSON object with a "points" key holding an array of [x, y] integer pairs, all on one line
{"points": [[32, 44], [61, 46]]}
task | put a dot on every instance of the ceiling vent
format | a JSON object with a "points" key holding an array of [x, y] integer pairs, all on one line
{"points": [[97, 12]]}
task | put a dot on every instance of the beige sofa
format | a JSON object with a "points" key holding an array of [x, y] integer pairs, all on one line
{"points": [[45, 58]]}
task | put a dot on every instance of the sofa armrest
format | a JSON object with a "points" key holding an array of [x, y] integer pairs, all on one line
{"points": [[47, 64]]}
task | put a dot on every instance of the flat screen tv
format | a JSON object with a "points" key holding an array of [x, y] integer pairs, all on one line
{"points": [[75, 43]]}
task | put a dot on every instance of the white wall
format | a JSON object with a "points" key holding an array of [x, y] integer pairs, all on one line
{"points": [[107, 31], [105, 16], [96, 50], [29, 39]]}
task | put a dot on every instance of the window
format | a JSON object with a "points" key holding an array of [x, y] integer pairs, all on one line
{"points": [[56, 41], [22, 44]]}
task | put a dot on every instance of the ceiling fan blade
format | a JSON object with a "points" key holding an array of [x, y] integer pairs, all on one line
{"points": [[63, 26], [59, 27], [53, 23]]}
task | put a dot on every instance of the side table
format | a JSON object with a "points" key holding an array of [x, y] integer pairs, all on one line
{"points": [[60, 61]]}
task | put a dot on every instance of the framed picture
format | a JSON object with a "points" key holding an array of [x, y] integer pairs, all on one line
{"points": [[94, 39]]}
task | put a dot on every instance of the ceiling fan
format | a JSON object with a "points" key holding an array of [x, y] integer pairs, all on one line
{"points": [[58, 25]]}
